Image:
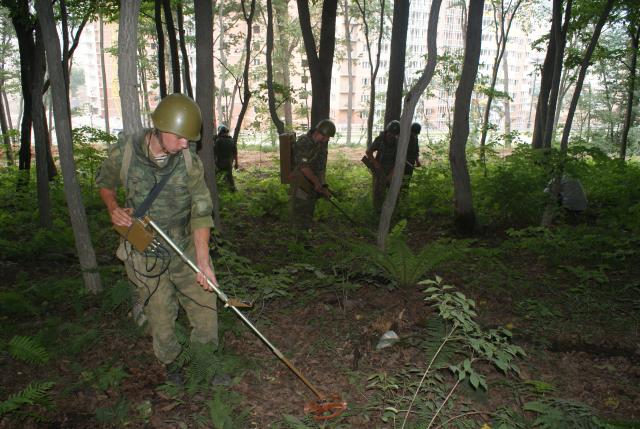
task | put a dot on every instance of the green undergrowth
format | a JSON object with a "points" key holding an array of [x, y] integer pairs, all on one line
{"points": [[577, 279]]}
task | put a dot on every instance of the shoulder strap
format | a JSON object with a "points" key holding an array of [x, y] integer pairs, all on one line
{"points": [[126, 160], [188, 161]]}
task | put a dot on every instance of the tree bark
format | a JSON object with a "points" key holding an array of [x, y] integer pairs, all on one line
{"points": [[127, 75], [173, 46], [203, 12], [287, 45], [246, 90], [373, 67], [628, 117], [103, 75], [347, 35], [507, 104], [561, 35], [410, 102], [395, 83], [464, 215], [162, 77], [5, 132], [41, 136], [73, 194], [320, 61], [273, 111], [183, 50]]}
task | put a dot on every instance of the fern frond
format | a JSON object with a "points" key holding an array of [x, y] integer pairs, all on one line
{"points": [[34, 393], [28, 350]]}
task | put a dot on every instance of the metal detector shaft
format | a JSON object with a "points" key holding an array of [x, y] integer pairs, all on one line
{"points": [[341, 210], [224, 298]]}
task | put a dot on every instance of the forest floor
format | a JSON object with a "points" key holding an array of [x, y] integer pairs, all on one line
{"points": [[581, 345]]}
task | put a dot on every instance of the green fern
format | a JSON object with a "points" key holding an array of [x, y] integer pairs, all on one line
{"points": [[202, 367], [401, 265], [121, 294], [561, 413], [28, 350], [34, 393]]}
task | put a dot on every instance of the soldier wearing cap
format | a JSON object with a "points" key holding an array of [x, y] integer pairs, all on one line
{"points": [[182, 209], [310, 160]]}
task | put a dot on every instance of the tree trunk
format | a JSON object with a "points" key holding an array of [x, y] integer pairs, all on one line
{"points": [[73, 194], [561, 35], [103, 75], [223, 63], [173, 45], [628, 117], [410, 102], [320, 62], [282, 18], [203, 12], [273, 111], [183, 50], [162, 77], [464, 215], [5, 131], [347, 35], [127, 75], [507, 104], [362, 6], [41, 136], [550, 209], [502, 36], [584, 64], [144, 91], [395, 83], [246, 90]]}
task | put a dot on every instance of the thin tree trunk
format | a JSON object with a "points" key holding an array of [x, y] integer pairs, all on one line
{"points": [[246, 91], [144, 93], [127, 75], [103, 75], [347, 35], [73, 194], [273, 111], [173, 45], [628, 117], [281, 18], [561, 36], [162, 77], [507, 103], [41, 136], [410, 102], [203, 11], [183, 50], [5, 133], [362, 6], [223, 62], [464, 214]]}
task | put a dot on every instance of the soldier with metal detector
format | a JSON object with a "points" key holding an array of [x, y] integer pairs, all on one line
{"points": [[163, 177], [308, 176]]}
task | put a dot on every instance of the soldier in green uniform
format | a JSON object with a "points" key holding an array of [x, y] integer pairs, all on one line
{"points": [[182, 209], [413, 151], [384, 146], [310, 160], [226, 154]]}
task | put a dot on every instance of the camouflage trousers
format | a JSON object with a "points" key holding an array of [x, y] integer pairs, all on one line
{"points": [[164, 293], [301, 209], [225, 167]]}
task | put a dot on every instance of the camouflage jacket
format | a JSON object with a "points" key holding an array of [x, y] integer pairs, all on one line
{"points": [[183, 205]]}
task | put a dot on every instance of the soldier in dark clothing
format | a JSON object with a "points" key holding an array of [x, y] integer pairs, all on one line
{"points": [[307, 179], [384, 146], [225, 151], [413, 151]]}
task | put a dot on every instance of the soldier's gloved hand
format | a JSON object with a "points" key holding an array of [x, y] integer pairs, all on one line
{"points": [[121, 216]]}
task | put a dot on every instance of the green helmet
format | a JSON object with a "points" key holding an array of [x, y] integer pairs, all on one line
{"points": [[180, 115], [326, 128], [393, 127]]}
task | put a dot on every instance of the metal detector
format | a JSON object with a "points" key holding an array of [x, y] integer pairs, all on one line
{"points": [[325, 407]]}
